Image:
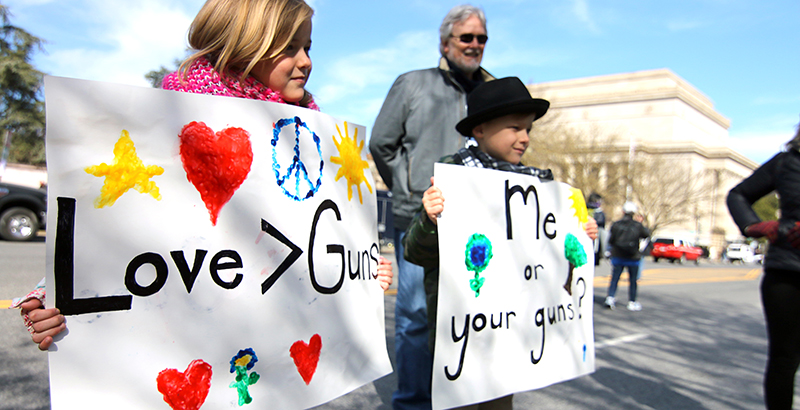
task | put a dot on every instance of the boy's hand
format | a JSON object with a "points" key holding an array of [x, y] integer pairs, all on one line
{"points": [[591, 228], [46, 322], [433, 202], [384, 272]]}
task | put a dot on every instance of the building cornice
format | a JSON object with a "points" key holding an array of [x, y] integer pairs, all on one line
{"points": [[710, 153], [651, 85]]}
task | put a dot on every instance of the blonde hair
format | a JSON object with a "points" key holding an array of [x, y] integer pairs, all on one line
{"points": [[234, 35]]}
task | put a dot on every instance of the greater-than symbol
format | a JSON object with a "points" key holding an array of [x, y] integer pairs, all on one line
{"points": [[293, 255]]}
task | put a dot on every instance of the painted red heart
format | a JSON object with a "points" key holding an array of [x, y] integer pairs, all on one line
{"points": [[215, 163], [306, 356], [187, 390]]}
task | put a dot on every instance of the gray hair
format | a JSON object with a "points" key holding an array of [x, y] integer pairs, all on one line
{"points": [[456, 15]]}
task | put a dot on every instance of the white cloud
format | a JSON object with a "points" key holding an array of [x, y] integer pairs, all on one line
{"points": [[136, 37], [516, 58], [770, 100], [580, 8], [759, 146], [353, 86], [23, 3], [683, 25]]}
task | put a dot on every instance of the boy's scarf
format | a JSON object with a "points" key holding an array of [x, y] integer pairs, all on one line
{"points": [[202, 78], [474, 157]]}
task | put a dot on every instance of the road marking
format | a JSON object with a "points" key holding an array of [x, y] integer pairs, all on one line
{"points": [[620, 340], [687, 275], [4, 304]]}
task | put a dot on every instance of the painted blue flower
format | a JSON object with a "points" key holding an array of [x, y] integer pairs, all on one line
{"points": [[478, 253], [245, 358]]}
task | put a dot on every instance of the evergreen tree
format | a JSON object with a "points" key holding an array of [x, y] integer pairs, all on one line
{"points": [[21, 100], [155, 77]]}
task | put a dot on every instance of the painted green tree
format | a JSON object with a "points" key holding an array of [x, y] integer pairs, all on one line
{"points": [[21, 99]]}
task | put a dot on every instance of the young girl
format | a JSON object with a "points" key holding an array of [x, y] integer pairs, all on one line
{"points": [[255, 49]]}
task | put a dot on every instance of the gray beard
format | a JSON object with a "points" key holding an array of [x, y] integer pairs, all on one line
{"points": [[467, 70]]}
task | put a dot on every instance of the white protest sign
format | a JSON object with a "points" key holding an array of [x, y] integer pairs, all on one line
{"points": [[515, 286], [208, 251]]}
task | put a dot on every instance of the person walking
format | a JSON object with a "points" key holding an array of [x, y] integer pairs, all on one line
{"points": [[780, 284], [414, 129], [595, 207], [624, 238]]}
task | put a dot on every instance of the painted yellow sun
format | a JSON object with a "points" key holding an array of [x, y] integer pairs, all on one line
{"points": [[352, 165], [125, 172], [579, 205]]}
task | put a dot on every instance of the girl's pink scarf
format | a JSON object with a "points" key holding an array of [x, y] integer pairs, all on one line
{"points": [[201, 78]]}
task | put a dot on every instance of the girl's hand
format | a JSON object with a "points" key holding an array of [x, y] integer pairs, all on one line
{"points": [[46, 322], [384, 272], [591, 228], [433, 202]]}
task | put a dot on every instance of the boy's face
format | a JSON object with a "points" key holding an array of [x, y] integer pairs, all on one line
{"points": [[505, 138]]}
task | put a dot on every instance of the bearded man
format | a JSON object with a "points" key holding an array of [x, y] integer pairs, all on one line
{"points": [[415, 128]]}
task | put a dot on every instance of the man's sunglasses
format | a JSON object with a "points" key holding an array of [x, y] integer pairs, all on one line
{"points": [[467, 38]]}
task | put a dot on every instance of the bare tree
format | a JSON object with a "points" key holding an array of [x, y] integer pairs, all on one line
{"points": [[588, 159], [668, 191]]}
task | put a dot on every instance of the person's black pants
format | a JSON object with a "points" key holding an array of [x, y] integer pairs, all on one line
{"points": [[780, 295]]}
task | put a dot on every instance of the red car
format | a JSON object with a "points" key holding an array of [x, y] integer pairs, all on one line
{"points": [[675, 250]]}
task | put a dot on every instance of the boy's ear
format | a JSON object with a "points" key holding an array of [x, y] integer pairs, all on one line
{"points": [[477, 132]]}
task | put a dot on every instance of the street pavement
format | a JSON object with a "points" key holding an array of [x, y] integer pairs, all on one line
{"points": [[699, 343]]}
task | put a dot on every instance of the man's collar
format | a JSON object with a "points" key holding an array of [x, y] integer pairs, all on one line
{"points": [[444, 65]]}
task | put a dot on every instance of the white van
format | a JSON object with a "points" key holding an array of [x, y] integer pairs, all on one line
{"points": [[741, 252]]}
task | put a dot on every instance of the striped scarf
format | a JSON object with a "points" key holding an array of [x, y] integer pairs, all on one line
{"points": [[474, 157]]}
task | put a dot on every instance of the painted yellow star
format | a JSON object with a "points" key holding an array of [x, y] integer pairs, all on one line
{"points": [[579, 205], [125, 172], [352, 166]]}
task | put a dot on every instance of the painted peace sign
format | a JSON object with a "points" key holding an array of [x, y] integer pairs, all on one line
{"points": [[295, 182]]}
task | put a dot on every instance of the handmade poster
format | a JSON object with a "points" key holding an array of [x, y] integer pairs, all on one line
{"points": [[515, 286], [208, 252]]}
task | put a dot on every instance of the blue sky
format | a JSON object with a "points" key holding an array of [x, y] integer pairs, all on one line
{"points": [[743, 54]]}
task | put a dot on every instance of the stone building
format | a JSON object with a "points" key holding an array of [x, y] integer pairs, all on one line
{"points": [[658, 116]]}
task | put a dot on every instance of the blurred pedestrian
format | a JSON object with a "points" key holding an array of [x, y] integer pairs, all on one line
{"points": [[595, 207], [780, 286], [624, 240]]}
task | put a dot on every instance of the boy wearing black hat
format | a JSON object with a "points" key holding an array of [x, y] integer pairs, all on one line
{"points": [[500, 115]]}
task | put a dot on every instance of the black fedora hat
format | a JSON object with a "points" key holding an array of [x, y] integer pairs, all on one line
{"points": [[497, 98]]}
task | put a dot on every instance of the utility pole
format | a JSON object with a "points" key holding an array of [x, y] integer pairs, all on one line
{"points": [[6, 149], [631, 154]]}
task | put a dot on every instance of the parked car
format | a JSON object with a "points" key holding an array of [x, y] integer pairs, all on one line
{"points": [[742, 252], [675, 249], [23, 211]]}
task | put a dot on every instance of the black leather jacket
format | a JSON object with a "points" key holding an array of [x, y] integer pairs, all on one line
{"points": [[780, 174]]}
